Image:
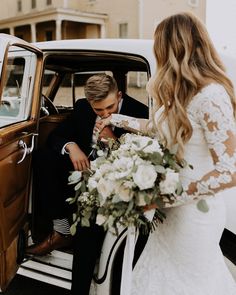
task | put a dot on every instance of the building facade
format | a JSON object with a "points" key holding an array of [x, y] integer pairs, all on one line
{"points": [[44, 20]]}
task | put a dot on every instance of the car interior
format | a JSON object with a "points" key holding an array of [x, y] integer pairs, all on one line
{"points": [[65, 76]]}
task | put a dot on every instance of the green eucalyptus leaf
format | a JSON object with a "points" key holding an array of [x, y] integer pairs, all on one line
{"points": [[85, 222], [179, 189], [115, 199], [74, 216], [160, 169], [78, 185], [156, 158], [202, 206], [73, 229]]}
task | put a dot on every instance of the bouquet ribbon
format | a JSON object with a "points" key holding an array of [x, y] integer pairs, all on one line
{"points": [[126, 279], [127, 267]]}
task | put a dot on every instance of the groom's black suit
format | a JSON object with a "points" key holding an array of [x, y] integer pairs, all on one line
{"points": [[78, 128]]}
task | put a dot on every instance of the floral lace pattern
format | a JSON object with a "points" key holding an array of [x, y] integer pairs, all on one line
{"points": [[123, 121], [212, 110]]}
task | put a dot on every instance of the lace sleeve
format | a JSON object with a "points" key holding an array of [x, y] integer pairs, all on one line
{"points": [[216, 118], [129, 123]]}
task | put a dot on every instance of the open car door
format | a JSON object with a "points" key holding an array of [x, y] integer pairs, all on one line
{"points": [[20, 82]]}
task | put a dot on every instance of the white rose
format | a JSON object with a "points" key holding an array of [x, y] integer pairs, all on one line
{"points": [[153, 147], [75, 177], [100, 219], [169, 185], [123, 163], [140, 142], [122, 167], [105, 168], [105, 188], [97, 175], [145, 176], [124, 193]]}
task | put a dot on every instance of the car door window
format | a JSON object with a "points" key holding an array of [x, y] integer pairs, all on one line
{"points": [[17, 92]]}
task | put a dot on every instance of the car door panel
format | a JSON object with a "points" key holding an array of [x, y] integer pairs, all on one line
{"points": [[20, 101]]}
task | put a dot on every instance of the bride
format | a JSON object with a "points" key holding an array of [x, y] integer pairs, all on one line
{"points": [[196, 109]]}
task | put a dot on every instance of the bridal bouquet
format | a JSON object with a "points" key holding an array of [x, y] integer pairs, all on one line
{"points": [[131, 176]]}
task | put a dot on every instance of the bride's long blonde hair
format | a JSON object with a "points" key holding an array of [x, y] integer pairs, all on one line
{"points": [[186, 62]]}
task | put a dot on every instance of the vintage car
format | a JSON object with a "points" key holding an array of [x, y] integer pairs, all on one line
{"points": [[38, 87]]}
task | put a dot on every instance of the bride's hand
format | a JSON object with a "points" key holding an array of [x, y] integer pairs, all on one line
{"points": [[101, 124]]}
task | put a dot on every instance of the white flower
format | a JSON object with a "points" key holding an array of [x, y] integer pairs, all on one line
{"points": [[105, 188], [92, 184], [169, 185], [100, 153], [100, 219], [124, 193], [123, 163], [93, 165], [141, 200], [145, 176], [75, 177], [105, 168], [128, 184], [153, 147], [97, 175]]}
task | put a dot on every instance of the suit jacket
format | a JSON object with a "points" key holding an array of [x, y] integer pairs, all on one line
{"points": [[78, 127]]}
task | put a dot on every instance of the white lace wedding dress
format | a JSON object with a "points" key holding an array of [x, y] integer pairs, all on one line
{"points": [[182, 256]]}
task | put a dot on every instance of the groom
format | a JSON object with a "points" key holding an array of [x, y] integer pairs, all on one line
{"points": [[88, 241], [69, 148]]}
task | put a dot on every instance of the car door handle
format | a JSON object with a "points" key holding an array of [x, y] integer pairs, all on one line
{"points": [[27, 150]]}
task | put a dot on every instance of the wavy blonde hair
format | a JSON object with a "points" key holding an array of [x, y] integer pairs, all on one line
{"points": [[186, 62]]}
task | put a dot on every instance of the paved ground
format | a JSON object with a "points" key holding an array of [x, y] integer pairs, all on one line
{"points": [[25, 286]]}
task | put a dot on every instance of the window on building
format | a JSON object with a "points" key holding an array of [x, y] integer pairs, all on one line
{"points": [[49, 2], [19, 6], [123, 30], [48, 35], [33, 4]]}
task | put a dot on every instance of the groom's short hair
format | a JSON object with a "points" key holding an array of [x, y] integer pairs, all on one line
{"points": [[99, 87]]}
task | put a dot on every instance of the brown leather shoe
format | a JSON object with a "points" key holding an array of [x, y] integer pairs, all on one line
{"points": [[54, 241]]}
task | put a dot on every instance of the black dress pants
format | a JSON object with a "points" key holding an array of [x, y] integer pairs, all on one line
{"points": [[51, 190], [87, 248]]}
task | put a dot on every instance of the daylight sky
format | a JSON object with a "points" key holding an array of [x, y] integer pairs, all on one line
{"points": [[221, 24]]}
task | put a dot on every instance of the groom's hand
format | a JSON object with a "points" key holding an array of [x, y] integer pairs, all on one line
{"points": [[78, 158]]}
